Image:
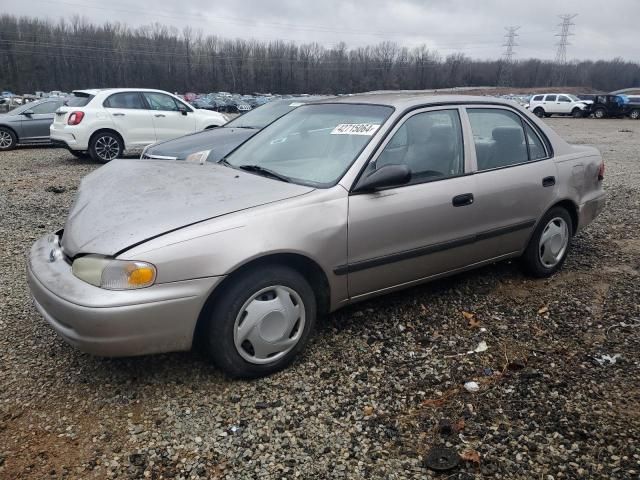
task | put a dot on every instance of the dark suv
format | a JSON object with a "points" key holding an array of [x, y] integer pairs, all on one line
{"points": [[606, 106]]}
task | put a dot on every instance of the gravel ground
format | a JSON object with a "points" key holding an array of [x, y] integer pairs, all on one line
{"points": [[381, 384]]}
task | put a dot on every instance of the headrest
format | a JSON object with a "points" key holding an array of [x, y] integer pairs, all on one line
{"points": [[508, 135]]}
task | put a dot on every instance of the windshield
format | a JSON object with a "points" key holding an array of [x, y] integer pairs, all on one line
{"points": [[262, 116], [314, 144]]}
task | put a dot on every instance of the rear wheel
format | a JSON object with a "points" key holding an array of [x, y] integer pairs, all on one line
{"points": [[635, 114], [599, 113], [539, 112], [8, 139], [549, 245], [105, 146], [260, 321]]}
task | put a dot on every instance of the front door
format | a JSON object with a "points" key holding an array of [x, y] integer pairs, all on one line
{"points": [[131, 118], [168, 120], [408, 233]]}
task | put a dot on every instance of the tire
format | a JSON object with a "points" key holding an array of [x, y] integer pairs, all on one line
{"points": [[577, 113], [8, 139], [547, 115], [599, 113], [543, 258], [539, 112], [635, 114], [247, 354], [105, 146], [79, 154]]}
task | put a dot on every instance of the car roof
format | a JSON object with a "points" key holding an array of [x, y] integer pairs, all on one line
{"points": [[402, 100], [96, 91]]}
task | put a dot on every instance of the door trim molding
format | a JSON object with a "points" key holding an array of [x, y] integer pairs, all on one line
{"points": [[429, 249]]}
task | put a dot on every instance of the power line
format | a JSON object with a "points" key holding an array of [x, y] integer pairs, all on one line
{"points": [[506, 67]]}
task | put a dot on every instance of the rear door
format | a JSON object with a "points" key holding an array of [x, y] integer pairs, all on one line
{"points": [[131, 118], [516, 179], [168, 120], [35, 126], [550, 104], [404, 234]]}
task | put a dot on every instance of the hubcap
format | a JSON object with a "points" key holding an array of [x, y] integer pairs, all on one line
{"points": [[5, 139], [269, 324], [635, 114], [599, 114], [553, 242], [107, 148]]}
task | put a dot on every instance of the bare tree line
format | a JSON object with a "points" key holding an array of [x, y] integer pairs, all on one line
{"points": [[41, 55]]}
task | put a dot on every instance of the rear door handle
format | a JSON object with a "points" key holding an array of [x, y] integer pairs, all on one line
{"points": [[117, 114], [548, 181], [462, 200]]}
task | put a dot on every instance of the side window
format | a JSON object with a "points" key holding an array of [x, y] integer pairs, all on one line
{"points": [[129, 100], [160, 101], [430, 144], [551, 98], [562, 98], [47, 107], [498, 137], [536, 147], [538, 98]]}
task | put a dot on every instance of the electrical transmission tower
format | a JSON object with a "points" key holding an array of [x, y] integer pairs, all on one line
{"points": [[506, 68], [559, 69]]}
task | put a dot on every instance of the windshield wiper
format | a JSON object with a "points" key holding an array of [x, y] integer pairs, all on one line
{"points": [[224, 162], [265, 172]]}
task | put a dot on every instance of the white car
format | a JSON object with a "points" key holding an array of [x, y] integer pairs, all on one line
{"points": [[106, 122], [558, 104]]}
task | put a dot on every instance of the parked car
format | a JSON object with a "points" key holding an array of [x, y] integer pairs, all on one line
{"points": [[203, 104], [607, 106], [558, 104], [28, 123], [333, 203], [108, 121], [212, 145]]}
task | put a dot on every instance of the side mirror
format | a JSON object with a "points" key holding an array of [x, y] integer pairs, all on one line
{"points": [[182, 109], [385, 176], [27, 113]]}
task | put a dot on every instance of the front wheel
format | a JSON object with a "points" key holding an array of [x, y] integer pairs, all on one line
{"points": [[549, 244], [260, 321], [577, 113], [8, 139], [105, 146]]}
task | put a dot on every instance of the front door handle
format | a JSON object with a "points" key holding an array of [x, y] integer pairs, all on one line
{"points": [[548, 181], [462, 200], [159, 115], [118, 114]]}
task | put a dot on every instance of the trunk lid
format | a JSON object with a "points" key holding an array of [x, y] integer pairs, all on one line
{"points": [[127, 202]]}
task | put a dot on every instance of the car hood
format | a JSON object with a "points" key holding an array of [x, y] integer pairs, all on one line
{"points": [[220, 141], [127, 202]]}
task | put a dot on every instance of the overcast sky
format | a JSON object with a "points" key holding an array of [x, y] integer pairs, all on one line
{"points": [[475, 27]]}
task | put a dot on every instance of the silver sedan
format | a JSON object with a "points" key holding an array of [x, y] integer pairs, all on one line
{"points": [[334, 203]]}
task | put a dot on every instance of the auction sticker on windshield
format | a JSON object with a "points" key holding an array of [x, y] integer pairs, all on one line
{"points": [[367, 129]]}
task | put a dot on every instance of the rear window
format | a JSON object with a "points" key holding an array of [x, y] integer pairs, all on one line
{"points": [[78, 99]]}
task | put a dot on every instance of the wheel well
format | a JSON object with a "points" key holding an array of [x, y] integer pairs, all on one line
{"points": [[7, 127], [570, 207], [309, 269], [110, 130], [538, 108]]}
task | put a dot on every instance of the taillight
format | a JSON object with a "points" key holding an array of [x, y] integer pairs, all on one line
{"points": [[601, 171], [75, 118]]}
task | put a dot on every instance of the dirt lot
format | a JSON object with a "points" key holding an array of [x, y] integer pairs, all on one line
{"points": [[381, 384]]}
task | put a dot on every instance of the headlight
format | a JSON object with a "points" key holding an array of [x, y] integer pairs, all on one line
{"points": [[198, 157], [114, 274]]}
